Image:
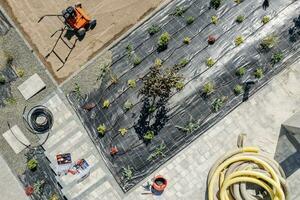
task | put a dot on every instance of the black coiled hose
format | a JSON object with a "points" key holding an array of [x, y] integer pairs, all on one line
{"points": [[39, 119]]}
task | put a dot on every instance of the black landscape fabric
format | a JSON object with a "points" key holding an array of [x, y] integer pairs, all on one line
{"points": [[189, 112]]}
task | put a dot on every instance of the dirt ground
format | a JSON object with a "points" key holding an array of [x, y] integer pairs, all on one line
{"points": [[114, 17]]}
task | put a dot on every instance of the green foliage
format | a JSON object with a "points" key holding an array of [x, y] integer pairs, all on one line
{"points": [[269, 42], [179, 11], [238, 89], [238, 1], [182, 63], [265, 19], [129, 50], [239, 40], [20, 72], [215, 4], [54, 197], [276, 57], [136, 60], [106, 104], [210, 62], [101, 129], [240, 71], [190, 127], [11, 101], [190, 20], [153, 29], [240, 18], [2, 79], [131, 83], [77, 90], [186, 40], [179, 86], [158, 152], [214, 19], [208, 88], [149, 135], [127, 173], [163, 41], [32, 164], [259, 73], [123, 131], [158, 62], [218, 103], [38, 187], [127, 105]]}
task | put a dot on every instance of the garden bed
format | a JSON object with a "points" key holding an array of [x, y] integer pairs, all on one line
{"points": [[251, 46], [7, 75]]}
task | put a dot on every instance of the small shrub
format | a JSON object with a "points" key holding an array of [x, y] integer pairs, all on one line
{"points": [[210, 62], [238, 1], [190, 20], [129, 50], [214, 19], [127, 105], [182, 63], [158, 62], [240, 71], [11, 101], [136, 60], [208, 88], [106, 104], [20, 72], [240, 19], [269, 42], [153, 29], [239, 40], [131, 83], [179, 86], [265, 19], [238, 89], [2, 79], [32, 164], [123, 131], [215, 4], [186, 40], [163, 41], [218, 103], [54, 197], [259, 73], [276, 58], [127, 173], [179, 11], [158, 152], [149, 135], [101, 129]]}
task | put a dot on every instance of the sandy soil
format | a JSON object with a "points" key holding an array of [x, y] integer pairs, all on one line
{"points": [[114, 17]]}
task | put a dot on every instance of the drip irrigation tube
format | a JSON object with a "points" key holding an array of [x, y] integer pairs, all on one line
{"points": [[234, 171]]}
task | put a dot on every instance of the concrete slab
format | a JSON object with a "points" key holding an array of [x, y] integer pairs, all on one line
{"points": [[31, 86], [13, 142]]}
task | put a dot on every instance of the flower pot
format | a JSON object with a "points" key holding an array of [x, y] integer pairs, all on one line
{"points": [[211, 40], [113, 150], [29, 190], [159, 183]]}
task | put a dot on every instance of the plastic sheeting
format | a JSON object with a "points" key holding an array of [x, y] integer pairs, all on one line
{"points": [[188, 103], [5, 90]]}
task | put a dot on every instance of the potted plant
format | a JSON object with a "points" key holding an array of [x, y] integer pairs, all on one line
{"points": [[159, 183]]}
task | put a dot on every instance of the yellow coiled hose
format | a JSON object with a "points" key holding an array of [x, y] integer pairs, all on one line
{"points": [[233, 172]]}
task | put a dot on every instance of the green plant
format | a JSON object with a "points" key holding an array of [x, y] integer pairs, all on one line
{"points": [[127, 105], [215, 4], [240, 18], [239, 40], [218, 103], [190, 20], [131, 83], [153, 29], [186, 40], [106, 104], [240, 71], [54, 197], [158, 152], [269, 42], [179, 11], [2, 79], [190, 127], [214, 19], [11, 101], [237, 1], [101, 129], [20, 72], [127, 173], [259, 73], [210, 62], [123, 131], [208, 88], [38, 187], [77, 90], [276, 57], [136, 60], [238, 89], [32, 164], [149, 135], [158, 62], [179, 86], [163, 41], [265, 19], [182, 63]]}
